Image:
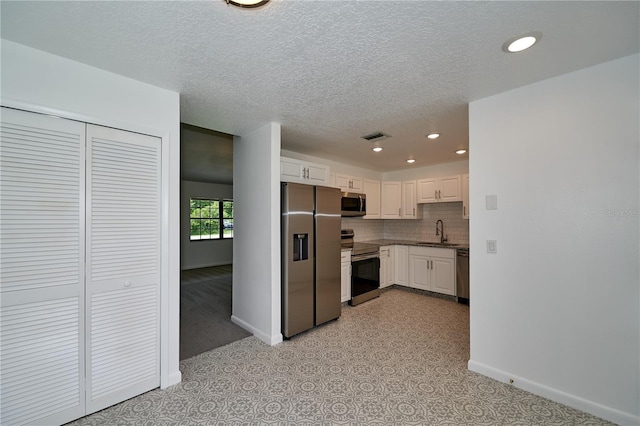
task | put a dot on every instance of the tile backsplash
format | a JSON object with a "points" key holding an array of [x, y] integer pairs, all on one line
{"points": [[455, 227]]}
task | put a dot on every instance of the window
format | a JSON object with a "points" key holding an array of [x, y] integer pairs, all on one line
{"points": [[210, 219]]}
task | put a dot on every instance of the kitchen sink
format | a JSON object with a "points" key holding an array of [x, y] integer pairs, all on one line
{"points": [[438, 244]]}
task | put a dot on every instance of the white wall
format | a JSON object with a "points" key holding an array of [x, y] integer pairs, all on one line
{"points": [[556, 308], [256, 246], [200, 254], [37, 81], [426, 172]]}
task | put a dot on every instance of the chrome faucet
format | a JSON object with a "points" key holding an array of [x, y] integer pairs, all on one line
{"points": [[440, 231]]}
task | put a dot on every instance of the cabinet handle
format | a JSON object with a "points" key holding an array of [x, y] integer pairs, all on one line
{"points": [[399, 212], [414, 211], [439, 195], [464, 210], [435, 194]]}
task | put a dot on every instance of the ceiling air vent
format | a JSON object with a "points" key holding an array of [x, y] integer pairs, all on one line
{"points": [[374, 137]]}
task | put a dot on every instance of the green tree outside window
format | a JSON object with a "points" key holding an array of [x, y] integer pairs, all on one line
{"points": [[210, 219]]}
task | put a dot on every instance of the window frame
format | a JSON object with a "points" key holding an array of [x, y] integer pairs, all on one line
{"points": [[219, 204]]}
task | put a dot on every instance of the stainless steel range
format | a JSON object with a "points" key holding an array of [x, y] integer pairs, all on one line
{"points": [[365, 269]]}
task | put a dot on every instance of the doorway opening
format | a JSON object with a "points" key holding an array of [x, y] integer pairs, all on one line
{"points": [[206, 241]]}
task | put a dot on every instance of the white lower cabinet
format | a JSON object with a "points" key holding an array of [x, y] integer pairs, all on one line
{"points": [[401, 263], [432, 269], [345, 275], [387, 266]]}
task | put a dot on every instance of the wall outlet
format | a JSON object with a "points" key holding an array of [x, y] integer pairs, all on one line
{"points": [[492, 246]]}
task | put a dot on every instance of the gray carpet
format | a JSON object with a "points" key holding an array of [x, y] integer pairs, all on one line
{"points": [[400, 359], [205, 314]]}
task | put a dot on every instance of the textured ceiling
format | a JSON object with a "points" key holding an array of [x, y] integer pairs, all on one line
{"points": [[331, 71]]}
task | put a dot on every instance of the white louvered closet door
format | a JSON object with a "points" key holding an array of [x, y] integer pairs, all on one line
{"points": [[41, 269], [123, 265]]}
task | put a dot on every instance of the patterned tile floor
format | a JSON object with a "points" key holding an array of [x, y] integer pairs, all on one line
{"points": [[400, 359]]}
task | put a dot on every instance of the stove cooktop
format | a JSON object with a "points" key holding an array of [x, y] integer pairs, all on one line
{"points": [[361, 248]]}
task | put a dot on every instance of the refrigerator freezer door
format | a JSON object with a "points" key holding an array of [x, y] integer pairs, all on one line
{"points": [[297, 270], [327, 233]]}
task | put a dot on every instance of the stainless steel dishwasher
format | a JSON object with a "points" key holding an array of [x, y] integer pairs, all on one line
{"points": [[462, 275]]}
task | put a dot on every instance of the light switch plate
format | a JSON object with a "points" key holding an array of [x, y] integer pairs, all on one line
{"points": [[492, 202], [492, 246]]}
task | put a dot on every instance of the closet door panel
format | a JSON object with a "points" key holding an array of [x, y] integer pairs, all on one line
{"points": [[41, 267], [123, 265]]}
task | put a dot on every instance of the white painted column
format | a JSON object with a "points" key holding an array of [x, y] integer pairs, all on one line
{"points": [[256, 239]]}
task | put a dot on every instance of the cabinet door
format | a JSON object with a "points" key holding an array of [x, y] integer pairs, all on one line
{"points": [[317, 175], [401, 272], [386, 266], [372, 191], [465, 196], [443, 276], [409, 206], [390, 272], [42, 170], [345, 277], [356, 184], [419, 272], [343, 182], [391, 205], [450, 189], [290, 170], [123, 265], [427, 191]]}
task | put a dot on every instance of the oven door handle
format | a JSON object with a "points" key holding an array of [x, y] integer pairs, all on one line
{"points": [[360, 257]]}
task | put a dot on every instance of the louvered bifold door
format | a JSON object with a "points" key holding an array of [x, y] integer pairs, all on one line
{"points": [[123, 265], [41, 269]]}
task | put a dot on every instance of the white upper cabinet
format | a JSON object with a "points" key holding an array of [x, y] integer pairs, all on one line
{"points": [[349, 183], [399, 200], [409, 204], [465, 196], [438, 190], [292, 170], [373, 192], [391, 206]]}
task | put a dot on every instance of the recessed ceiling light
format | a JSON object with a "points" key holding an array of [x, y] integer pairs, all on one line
{"points": [[433, 135], [521, 42], [377, 149], [247, 4], [411, 160], [461, 151]]}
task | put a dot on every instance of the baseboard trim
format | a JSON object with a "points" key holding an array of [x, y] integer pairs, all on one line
{"points": [[607, 413], [206, 265], [268, 339], [174, 379]]}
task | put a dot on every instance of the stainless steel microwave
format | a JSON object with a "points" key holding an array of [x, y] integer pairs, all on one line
{"points": [[353, 204]]}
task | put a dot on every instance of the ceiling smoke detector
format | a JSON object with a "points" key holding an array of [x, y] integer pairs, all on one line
{"points": [[375, 137]]}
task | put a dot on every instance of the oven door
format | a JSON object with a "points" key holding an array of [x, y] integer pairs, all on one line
{"points": [[365, 278]]}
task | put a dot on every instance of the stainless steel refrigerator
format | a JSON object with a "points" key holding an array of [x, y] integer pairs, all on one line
{"points": [[310, 256]]}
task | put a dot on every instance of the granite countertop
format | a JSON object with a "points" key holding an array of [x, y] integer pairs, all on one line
{"points": [[385, 242]]}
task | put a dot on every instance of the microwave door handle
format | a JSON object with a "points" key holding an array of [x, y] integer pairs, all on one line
{"points": [[360, 202]]}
